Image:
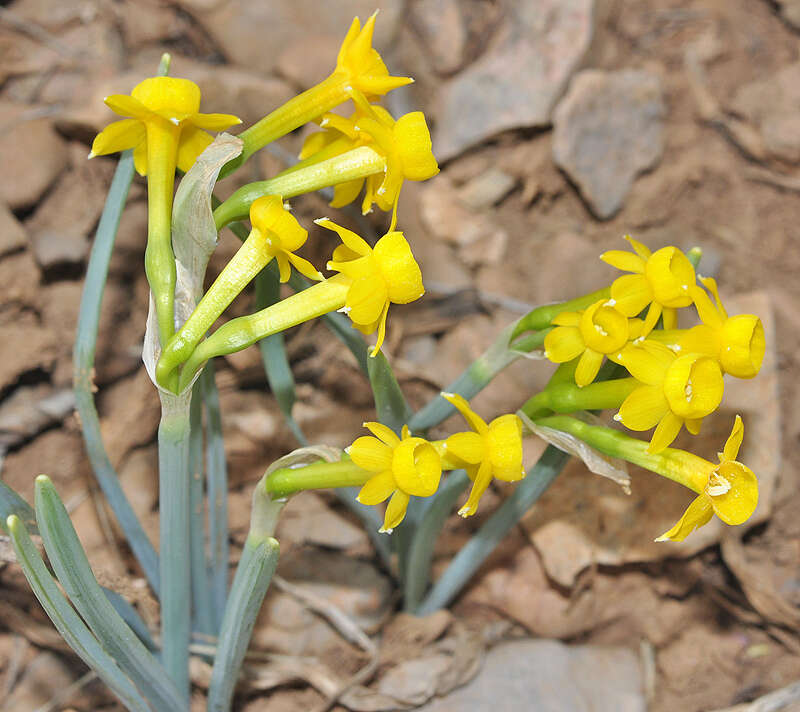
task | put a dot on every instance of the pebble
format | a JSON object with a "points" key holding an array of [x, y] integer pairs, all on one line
{"points": [[487, 189], [790, 11], [518, 81], [31, 409], [551, 677], [443, 31], [32, 150], [12, 234], [54, 249], [608, 129]]}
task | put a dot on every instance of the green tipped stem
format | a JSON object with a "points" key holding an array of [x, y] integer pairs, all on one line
{"points": [[566, 397], [322, 475]]}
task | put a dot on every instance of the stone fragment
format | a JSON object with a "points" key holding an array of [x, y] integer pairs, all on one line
{"points": [[551, 677], [307, 519], [54, 249], [790, 11], [20, 277], [12, 234], [518, 81], [244, 29], [608, 129], [443, 31], [772, 103], [138, 476], [32, 150], [31, 409], [27, 347], [487, 189]]}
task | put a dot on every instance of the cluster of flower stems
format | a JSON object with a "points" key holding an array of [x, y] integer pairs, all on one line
{"points": [[656, 375]]}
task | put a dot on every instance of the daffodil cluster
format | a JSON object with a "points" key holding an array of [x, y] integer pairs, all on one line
{"points": [[401, 467], [370, 151], [665, 378]]}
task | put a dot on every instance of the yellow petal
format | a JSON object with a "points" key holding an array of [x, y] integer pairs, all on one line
{"points": [[355, 242], [734, 441], [119, 136], [371, 454], [651, 319], [670, 318], [643, 408], [738, 492], [563, 344], [304, 267], [417, 467], [693, 425], [395, 511], [466, 446], [461, 404], [381, 326], [140, 158], [482, 479], [697, 514], [742, 345], [366, 299], [413, 144], [567, 318], [170, 97], [701, 339], [631, 293], [588, 366], [666, 432], [671, 276], [707, 312], [125, 105], [399, 268], [383, 433], [647, 362], [640, 249], [693, 386], [377, 488], [345, 193], [284, 270], [215, 122], [191, 144], [624, 260], [604, 329], [505, 448]]}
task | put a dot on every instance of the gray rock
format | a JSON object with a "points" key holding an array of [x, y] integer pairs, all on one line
{"points": [[608, 129], [443, 31], [31, 409], [12, 234], [57, 249], [548, 676], [518, 81], [487, 189], [773, 104]]}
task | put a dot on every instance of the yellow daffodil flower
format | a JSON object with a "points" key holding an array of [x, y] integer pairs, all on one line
{"points": [[675, 391], [164, 113], [380, 276], [661, 279], [276, 234], [599, 330], [737, 342], [403, 467], [728, 489], [489, 450], [359, 70]]}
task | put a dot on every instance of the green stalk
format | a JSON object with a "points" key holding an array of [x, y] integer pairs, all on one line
{"points": [[174, 511], [542, 317], [75, 575], [83, 368], [69, 625], [286, 481], [217, 489], [201, 596], [567, 397], [464, 565]]}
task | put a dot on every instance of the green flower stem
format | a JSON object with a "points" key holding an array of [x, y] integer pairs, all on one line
{"points": [[542, 317], [359, 163], [248, 261], [566, 397], [217, 489], [476, 377], [68, 623], [83, 369], [174, 515], [237, 334], [471, 557], [299, 110], [75, 575], [201, 595], [671, 462], [321, 475], [159, 261], [335, 148]]}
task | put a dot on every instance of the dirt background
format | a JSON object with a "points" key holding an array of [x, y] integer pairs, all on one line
{"points": [[700, 148]]}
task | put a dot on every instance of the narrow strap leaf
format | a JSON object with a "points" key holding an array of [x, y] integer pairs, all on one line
{"points": [[83, 367], [253, 575], [75, 575], [128, 613], [390, 403], [12, 504], [67, 621], [217, 488], [478, 548]]}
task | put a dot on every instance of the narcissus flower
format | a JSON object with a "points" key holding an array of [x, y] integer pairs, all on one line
{"points": [[676, 391], [598, 331], [728, 489], [383, 275], [163, 113], [490, 450], [737, 342], [661, 279], [403, 467]]}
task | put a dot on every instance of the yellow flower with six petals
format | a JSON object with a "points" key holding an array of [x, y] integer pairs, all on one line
{"points": [[403, 467], [661, 279], [597, 331], [675, 391], [164, 111], [728, 489], [383, 275], [489, 450]]}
